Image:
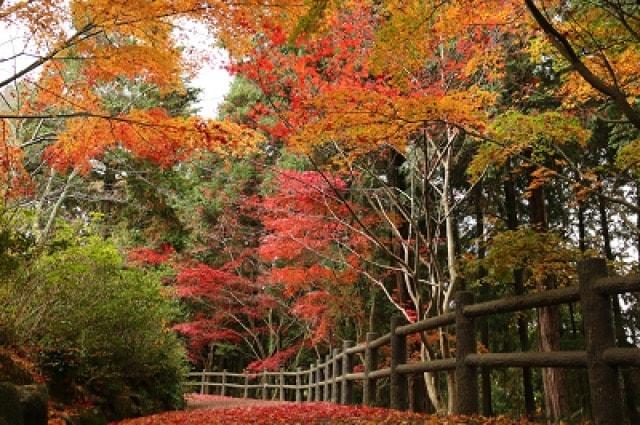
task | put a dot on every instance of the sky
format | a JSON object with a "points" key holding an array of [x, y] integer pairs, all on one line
{"points": [[212, 78]]}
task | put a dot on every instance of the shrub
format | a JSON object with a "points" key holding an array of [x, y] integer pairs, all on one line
{"points": [[99, 325]]}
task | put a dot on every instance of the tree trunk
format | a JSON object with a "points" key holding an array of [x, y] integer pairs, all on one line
{"points": [[56, 207], [511, 205], [485, 373], [631, 410], [581, 229], [450, 225], [549, 320]]}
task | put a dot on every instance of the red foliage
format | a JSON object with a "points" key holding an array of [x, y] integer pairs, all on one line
{"points": [[204, 281], [306, 413], [274, 362], [332, 61], [229, 303], [306, 221], [151, 257]]}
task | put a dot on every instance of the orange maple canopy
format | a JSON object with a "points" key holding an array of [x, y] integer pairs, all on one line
{"points": [[147, 134]]}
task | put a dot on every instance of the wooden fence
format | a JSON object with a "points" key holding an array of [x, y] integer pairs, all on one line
{"points": [[333, 380]]}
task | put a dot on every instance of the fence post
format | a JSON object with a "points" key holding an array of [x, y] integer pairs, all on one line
{"points": [[223, 387], [318, 387], [281, 385], [370, 364], [246, 386], [202, 380], [265, 390], [335, 373], [327, 378], [298, 384], [466, 376], [417, 393], [310, 384], [346, 393], [398, 382], [604, 384]]}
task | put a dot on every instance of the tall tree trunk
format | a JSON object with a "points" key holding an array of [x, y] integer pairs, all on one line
{"points": [[582, 243], [37, 219], [56, 207], [450, 224], [629, 389], [485, 373], [396, 181], [511, 205], [549, 320]]}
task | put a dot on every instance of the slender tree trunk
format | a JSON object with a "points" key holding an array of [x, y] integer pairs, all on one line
{"points": [[629, 389], [396, 181], [549, 320], [485, 373], [56, 207], [450, 225], [604, 228], [426, 353], [37, 219], [511, 205], [581, 229]]}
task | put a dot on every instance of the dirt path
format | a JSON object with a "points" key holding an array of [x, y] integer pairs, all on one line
{"points": [[197, 401]]}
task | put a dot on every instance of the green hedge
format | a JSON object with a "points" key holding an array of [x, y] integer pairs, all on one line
{"points": [[98, 325]]}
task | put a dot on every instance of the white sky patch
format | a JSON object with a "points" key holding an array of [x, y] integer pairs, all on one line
{"points": [[215, 82], [212, 77]]}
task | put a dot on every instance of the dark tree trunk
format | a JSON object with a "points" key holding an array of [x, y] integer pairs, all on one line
{"points": [[511, 205], [629, 389], [581, 229], [395, 180], [549, 320], [485, 373]]}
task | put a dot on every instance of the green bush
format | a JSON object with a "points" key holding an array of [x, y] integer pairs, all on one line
{"points": [[98, 325]]}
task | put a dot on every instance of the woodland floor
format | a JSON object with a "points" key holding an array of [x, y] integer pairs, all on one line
{"points": [[216, 410]]}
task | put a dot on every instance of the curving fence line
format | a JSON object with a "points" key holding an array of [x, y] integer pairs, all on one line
{"points": [[333, 380]]}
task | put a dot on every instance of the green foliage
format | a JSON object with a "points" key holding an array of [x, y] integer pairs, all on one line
{"points": [[629, 157], [514, 133], [541, 255], [15, 246], [98, 324], [238, 103]]}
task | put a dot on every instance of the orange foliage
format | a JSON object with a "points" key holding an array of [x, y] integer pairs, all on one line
{"points": [[14, 180], [148, 134]]}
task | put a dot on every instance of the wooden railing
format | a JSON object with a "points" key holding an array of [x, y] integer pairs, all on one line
{"points": [[333, 379]]}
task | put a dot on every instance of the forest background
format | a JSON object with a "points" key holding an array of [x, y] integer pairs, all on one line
{"points": [[371, 158]]}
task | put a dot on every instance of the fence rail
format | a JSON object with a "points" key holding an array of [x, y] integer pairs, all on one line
{"points": [[333, 379]]}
